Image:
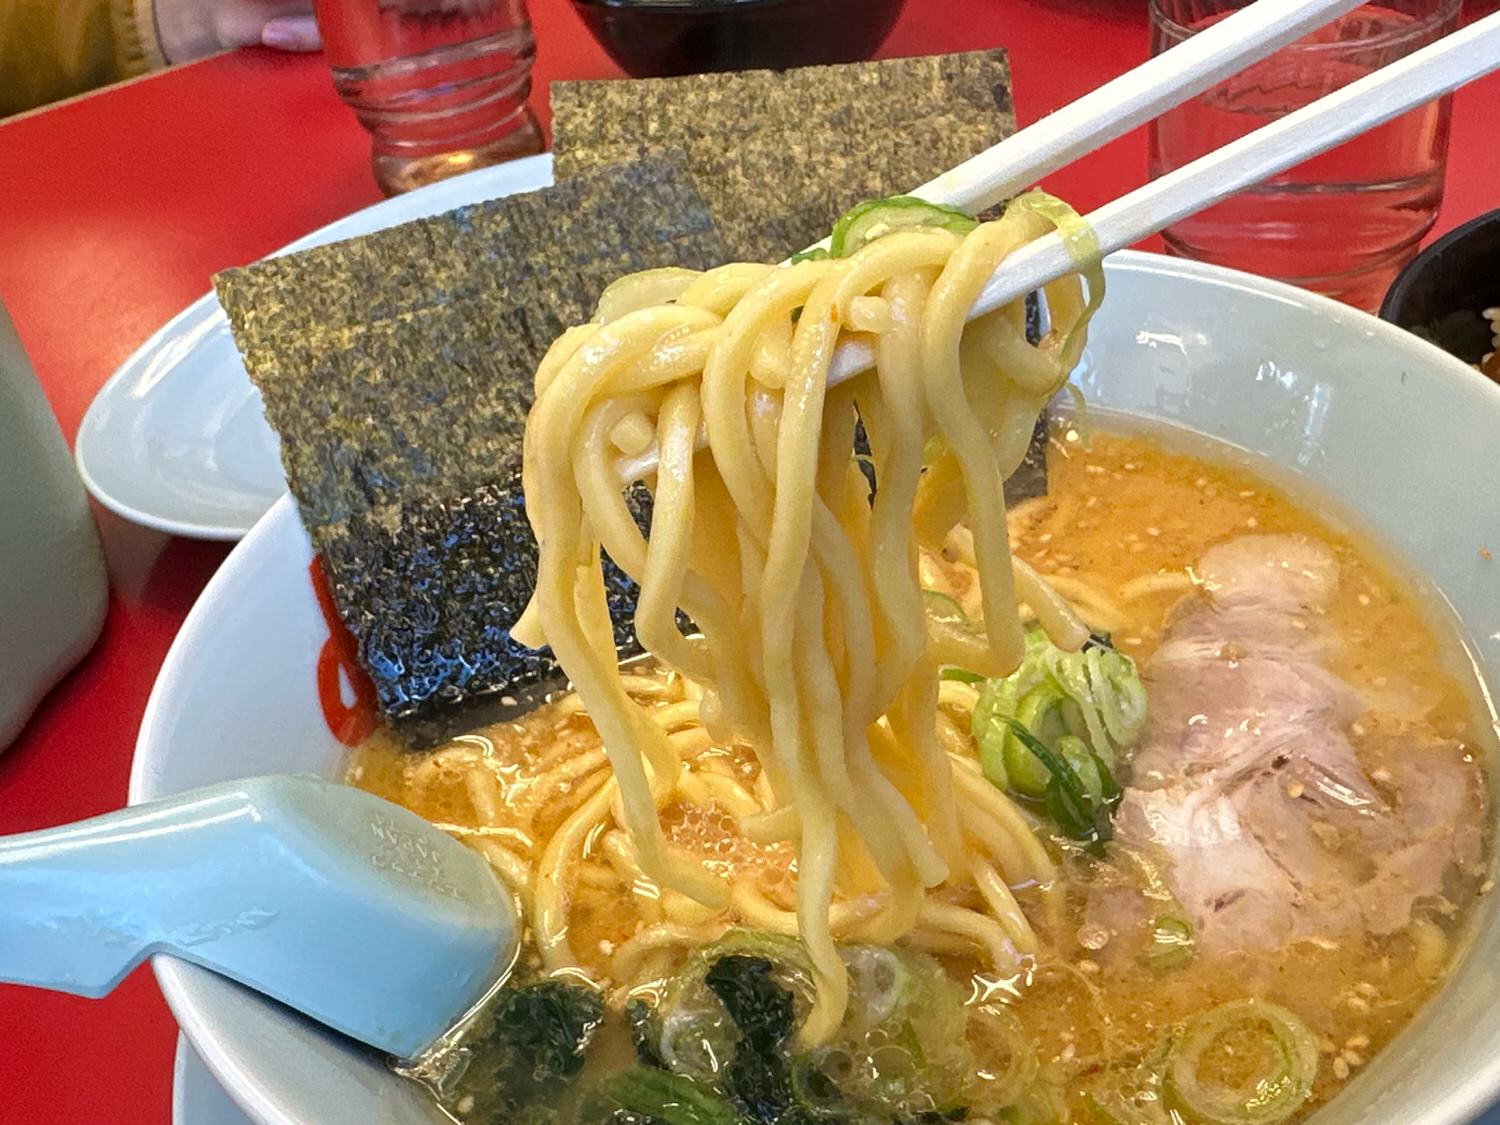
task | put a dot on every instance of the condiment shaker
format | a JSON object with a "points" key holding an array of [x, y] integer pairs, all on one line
{"points": [[53, 589]]}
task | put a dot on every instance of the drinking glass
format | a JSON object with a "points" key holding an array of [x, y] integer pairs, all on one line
{"points": [[1342, 223], [440, 84]]}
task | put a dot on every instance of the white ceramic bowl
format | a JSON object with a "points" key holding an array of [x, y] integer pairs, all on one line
{"points": [[1401, 436]]}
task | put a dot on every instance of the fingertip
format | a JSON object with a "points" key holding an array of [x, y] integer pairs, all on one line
{"points": [[291, 33]]}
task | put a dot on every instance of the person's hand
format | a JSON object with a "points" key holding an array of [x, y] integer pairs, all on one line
{"points": [[190, 29]]}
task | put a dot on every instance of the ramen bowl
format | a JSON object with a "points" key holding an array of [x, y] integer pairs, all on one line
{"points": [[1348, 412]]}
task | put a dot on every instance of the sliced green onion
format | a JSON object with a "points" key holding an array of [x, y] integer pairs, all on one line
{"points": [[811, 254], [961, 675], [941, 607], [697, 1035], [1118, 693], [1172, 942], [867, 221], [1040, 1104], [1066, 799], [1127, 1090], [1098, 1114], [1039, 713], [1007, 1055], [1075, 751], [1267, 1098], [1118, 1109], [996, 705], [881, 982], [818, 1079], [1081, 707], [952, 638], [668, 1098]]}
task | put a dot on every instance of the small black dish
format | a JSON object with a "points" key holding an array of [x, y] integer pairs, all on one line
{"points": [[1442, 292], [656, 38]]}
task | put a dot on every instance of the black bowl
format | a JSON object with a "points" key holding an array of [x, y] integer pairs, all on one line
{"points": [[652, 38], [1442, 292]]}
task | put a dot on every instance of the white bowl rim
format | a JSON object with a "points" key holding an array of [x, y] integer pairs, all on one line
{"points": [[240, 1082], [1452, 1106]]}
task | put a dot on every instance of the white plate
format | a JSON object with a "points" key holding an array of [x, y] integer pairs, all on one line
{"points": [[176, 439], [196, 1098], [1400, 436]]}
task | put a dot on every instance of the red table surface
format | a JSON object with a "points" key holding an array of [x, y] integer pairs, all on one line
{"points": [[117, 207]]}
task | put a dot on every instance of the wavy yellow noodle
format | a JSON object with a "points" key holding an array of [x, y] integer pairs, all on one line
{"points": [[810, 645]]}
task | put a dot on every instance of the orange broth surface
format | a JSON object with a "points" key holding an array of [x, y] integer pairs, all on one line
{"points": [[1123, 509]]}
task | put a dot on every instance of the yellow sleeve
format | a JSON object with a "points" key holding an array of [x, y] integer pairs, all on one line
{"points": [[51, 49]]}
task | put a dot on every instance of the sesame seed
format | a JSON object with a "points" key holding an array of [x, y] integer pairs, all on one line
{"points": [[1487, 886], [1358, 1004], [1252, 522], [1364, 599], [1340, 1068], [1295, 790], [1365, 988], [1358, 1042]]}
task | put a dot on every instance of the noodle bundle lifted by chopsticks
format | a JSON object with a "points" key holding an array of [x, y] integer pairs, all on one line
{"points": [[813, 648]]}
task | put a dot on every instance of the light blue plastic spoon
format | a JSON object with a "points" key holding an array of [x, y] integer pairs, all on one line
{"points": [[331, 900]]}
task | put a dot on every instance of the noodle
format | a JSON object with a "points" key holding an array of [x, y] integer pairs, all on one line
{"points": [[810, 647]]}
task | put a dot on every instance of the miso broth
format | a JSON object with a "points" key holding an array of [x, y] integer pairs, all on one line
{"points": [[1128, 518]]}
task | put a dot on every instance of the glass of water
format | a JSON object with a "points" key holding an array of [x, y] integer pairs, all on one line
{"points": [[440, 84], [1342, 223]]}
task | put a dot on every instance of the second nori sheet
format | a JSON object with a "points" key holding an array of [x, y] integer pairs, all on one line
{"points": [[779, 155]]}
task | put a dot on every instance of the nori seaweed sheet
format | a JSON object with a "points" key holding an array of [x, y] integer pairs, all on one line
{"points": [[779, 155], [397, 369], [397, 366]]}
